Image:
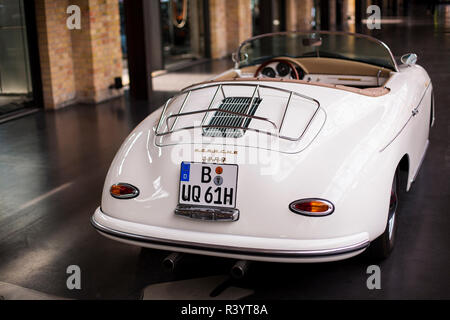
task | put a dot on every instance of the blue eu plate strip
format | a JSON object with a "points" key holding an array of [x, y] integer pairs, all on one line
{"points": [[185, 169]]}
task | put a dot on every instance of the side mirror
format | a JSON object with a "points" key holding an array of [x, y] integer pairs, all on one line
{"points": [[237, 60], [409, 59], [234, 57]]}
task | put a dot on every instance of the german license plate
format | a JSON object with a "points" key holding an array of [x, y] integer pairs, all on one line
{"points": [[205, 184]]}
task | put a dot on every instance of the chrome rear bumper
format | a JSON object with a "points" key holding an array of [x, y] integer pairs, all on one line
{"points": [[231, 251], [207, 213]]}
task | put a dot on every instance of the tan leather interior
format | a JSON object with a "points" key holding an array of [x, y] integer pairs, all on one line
{"points": [[332, 66], [326, 66], [227, 76], [371, 92]]}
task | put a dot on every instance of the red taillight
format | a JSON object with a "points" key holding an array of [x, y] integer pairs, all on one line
{"points": [[312, 207], [123, 191]]}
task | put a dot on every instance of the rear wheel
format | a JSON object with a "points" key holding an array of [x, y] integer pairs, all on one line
{"points": [[382, 246]]}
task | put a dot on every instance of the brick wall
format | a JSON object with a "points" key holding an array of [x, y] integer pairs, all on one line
{"points": [[298, 14], [245, 27], [105, 44], [55, 53], [230, 23], [218, 28], [82, 55], [79, 65]]}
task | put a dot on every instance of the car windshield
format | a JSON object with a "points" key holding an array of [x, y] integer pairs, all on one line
{"points": [[324, 44]]}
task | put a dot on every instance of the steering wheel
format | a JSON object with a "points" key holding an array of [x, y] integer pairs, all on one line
{"points": [[283, 68]]}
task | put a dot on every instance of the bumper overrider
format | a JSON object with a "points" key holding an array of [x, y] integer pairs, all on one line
{"points": [[230, 246]]}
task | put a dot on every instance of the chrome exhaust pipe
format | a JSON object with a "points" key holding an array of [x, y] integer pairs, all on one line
{"points": [[171, 261], [240, 268]]}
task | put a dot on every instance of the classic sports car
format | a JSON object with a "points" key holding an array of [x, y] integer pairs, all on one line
{"points": [[297, 154]]}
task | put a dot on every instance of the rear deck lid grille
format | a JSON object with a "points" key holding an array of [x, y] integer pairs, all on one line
{"points": [[223, 124]]}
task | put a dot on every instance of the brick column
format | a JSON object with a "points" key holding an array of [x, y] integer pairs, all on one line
{"points": [[78, 65], [298, 14], [55, 53], [218, 28], [82, 54], [230, 24], [245, 25], [349, 9], [106, 47]]}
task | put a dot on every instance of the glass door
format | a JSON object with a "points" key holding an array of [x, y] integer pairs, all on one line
{"points": [[183, 30], [15, 76]]}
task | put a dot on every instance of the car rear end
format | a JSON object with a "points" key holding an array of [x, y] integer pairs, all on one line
{"points": [[237, 181]]}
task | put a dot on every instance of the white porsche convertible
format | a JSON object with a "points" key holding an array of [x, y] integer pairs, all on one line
{"points": [[297, 154]]}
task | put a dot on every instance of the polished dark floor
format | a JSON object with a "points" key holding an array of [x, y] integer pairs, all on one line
{"points": [[52, 167]]}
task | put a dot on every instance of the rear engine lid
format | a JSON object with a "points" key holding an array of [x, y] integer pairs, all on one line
{"points": [[240, 114]]}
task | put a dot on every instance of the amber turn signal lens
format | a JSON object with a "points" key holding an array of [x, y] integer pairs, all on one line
{"points": [[123, 191], [312, 207]]}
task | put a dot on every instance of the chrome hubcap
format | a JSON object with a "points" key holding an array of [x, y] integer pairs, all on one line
{"points": [[391, 225], [392, 208]]}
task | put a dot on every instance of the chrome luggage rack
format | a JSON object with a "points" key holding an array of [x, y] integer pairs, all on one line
{"points": [[169, 129]]}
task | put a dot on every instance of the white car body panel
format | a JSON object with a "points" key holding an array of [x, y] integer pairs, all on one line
{"points": [[348, 156]]}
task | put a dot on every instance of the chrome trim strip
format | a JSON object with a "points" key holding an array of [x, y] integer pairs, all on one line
{"points": [[257, 86], [207, 213], [433, 110], [216, 126], [285, 111], [211, 103], [409, 119], [357, 35], [181, 109], [231, 250], [161, 118], [213, 126], [251, 103], [398, 133]]}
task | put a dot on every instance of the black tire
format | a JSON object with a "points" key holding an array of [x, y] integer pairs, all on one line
{"points": [[382, 246]]}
